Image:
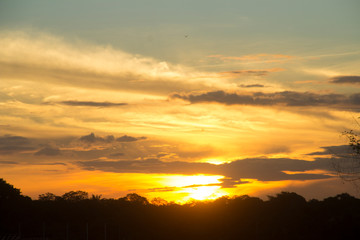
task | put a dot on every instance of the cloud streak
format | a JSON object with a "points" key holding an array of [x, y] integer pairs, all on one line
{"points": [[252, 86], [285, 98], [346, 80], [255, 72], [262, 57], [90, 103]]}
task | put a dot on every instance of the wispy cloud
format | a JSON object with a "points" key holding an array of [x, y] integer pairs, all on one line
{"points": [[90, 66]]}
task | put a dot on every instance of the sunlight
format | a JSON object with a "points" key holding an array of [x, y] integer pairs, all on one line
{"points": [[215, 161], [204, 193], [197, 187], [200, 179]]}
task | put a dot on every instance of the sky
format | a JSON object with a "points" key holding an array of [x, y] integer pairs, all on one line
{"points": [[178, 99]]}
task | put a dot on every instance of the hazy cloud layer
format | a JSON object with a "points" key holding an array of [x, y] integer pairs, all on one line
{"points": [[285, 98], [346, 80], [126, 154], [13, 140]]}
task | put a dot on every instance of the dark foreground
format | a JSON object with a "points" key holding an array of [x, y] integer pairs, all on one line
{"points": [[284, 216]]}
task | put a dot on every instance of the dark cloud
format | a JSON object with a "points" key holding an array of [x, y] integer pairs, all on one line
{"points": [[161, 155], [334, 150], [13, 140], [252, 86], [109, 138], [272, 169], [126, 138], [48, 151], [346, 79], [51, 164], [262, 169], [91, 138], [8, 162], [285, 98], [11, 144], [116, 155], [231, 183], [248, 72], [91, 104], [13, 149]]}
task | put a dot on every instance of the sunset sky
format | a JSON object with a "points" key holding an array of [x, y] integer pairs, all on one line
{"points": [[177, 99]]}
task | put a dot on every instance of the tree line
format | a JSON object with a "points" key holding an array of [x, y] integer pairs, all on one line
{"points": [[77, 216]]}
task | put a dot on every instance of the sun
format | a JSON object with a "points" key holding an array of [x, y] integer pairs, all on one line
{"points": [[204, 193], [197, 187]]}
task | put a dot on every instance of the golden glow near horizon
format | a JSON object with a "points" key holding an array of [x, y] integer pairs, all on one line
{"points": [[173, 130]]}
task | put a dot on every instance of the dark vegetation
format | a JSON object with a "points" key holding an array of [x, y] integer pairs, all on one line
{"points": [[75, 215]]}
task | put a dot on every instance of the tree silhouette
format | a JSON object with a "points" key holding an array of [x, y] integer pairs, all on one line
{"points": [[8, 192], [48, 197], [137, 199], [285, 215], [75, 196], [348, 165], [96, 197]]}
